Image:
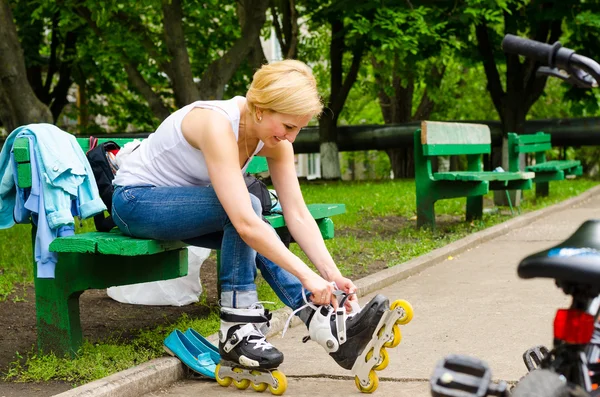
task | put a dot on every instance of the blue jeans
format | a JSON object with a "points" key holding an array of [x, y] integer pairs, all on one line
{"points": [[195, 215]]}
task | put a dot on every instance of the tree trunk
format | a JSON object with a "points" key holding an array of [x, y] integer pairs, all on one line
{"points": [[286, 30], [340, 88], [397, 108], [402, 162], [330, 163], [17, 100], [182, 78], [252, 18]]}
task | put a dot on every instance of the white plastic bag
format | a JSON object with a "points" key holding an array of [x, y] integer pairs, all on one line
{"points": [[176, 292]]}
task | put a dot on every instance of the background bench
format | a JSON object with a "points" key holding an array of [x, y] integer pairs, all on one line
{"points": [[450, 139], [545, 171], [98, 260]]}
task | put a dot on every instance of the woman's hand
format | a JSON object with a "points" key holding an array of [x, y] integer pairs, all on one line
{"points": [[346, 285], [321, 290]]}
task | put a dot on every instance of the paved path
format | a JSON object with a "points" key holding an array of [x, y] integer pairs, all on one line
{"points": [[471, 304]]}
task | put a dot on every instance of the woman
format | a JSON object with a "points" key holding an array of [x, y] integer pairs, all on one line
{"points": [[185, 182]]}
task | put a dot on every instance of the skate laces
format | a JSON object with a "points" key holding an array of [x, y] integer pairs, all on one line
{"points": [[255, 335]]}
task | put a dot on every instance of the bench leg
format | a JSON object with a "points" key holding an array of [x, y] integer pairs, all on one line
{"points": [[542, 189], [474, 207], [425, 213], [58, 323]]}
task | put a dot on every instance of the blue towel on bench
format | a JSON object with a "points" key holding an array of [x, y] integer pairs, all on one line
{"points": [[63, 185]]}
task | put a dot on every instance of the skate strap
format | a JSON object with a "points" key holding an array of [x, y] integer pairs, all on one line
{"points": [[253, 336], [340, 322], [238, 318]]}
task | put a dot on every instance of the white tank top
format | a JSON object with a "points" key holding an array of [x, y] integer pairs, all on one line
{"points": [[165, 158]]}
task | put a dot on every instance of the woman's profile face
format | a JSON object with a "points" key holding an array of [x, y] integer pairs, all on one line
{"points": [[276, 127]]}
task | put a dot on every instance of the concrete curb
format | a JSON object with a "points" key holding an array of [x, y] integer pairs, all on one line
{"points": [[161, 372]]}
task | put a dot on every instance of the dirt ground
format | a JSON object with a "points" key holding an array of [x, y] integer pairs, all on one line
{"points": [[102, 316]]}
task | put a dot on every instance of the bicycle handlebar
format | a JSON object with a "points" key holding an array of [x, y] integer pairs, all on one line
{"points": [[562, 62]]}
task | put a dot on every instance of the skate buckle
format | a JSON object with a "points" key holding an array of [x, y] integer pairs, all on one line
{"points": [[463, 376], [533, 357], [340, 324]]}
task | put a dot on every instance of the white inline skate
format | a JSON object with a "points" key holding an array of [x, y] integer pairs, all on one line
{"points": [[247, 359], [357, 341]]}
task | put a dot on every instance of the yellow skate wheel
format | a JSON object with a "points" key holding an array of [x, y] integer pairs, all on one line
{"points": [[384, 359], [408, 311], [395, 339], [281, 384], [241, 384], [226, 381], [371, 387], [261, 386]]}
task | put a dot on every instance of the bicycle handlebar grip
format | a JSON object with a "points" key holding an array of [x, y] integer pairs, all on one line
{"points": [[541, 52]]}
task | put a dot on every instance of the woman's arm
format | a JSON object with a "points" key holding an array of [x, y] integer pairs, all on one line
{"points": [[298, 219], [211, 132]]}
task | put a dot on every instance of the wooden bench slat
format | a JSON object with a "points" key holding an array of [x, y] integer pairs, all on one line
{"points": [[482, 176], [533, 148], [553, 165], [440, 133], [112, 243], [454, 150], [534, 138]]}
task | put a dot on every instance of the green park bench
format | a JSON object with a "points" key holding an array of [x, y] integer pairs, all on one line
{"points": [[98, 260], [452, 139], [545, 171]]}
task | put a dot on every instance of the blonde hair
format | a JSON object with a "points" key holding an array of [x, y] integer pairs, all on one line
{"points": [[286, 87]]}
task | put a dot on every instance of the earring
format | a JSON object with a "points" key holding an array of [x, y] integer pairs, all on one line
{"points": [[259, 118]]}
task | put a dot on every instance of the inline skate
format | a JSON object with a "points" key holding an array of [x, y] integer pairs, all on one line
{"points": [[247, 359], [357, 341]]}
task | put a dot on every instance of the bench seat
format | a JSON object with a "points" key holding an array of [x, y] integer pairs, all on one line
{"points": [[554, 165], [481, 176], [545, 171]]}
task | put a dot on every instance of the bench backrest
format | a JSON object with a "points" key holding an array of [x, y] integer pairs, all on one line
{"points": [[21, 153], [443, 139], [531, 143]]}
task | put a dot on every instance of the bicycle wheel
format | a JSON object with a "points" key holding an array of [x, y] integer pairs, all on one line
{"points": [[545, 383]]}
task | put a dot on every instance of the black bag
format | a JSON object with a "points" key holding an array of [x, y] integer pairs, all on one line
{"points": [[104, 168], [260, 190]]}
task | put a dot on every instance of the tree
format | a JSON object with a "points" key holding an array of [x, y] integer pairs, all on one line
{"points": [[18, 102], [408, 55], [136, 61], [346, 49], [539, 20]]}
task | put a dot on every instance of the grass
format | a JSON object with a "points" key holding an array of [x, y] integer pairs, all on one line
{"points": [[379, 227]]}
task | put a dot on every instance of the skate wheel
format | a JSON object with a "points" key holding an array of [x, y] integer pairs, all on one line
{"points": [[395, 339], [281, 383], [408, 311], [258, 387], [241, 384], [226, 381], [384, 359], [371, 387]]}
